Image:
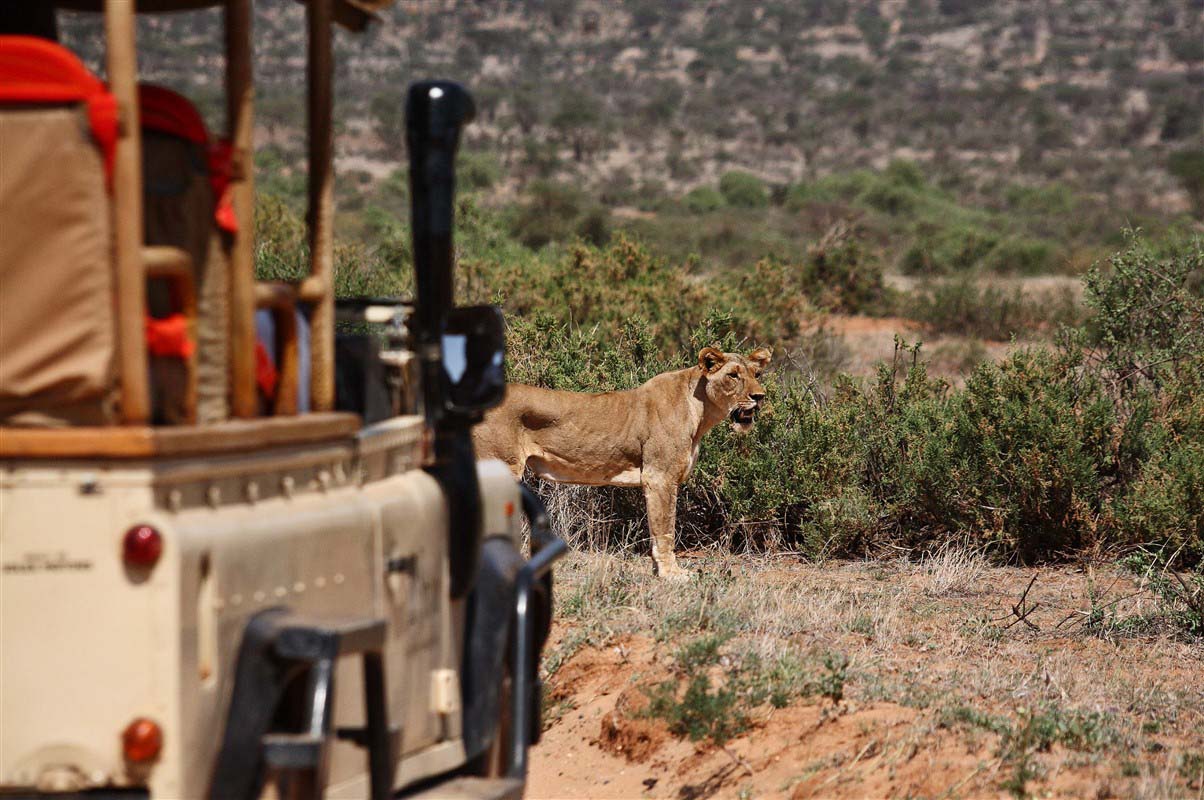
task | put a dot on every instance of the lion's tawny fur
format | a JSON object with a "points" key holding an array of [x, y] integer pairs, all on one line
{"points": [[647, 437]]}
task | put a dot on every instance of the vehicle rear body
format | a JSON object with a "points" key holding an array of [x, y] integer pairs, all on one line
{"points": [[92, 643]]}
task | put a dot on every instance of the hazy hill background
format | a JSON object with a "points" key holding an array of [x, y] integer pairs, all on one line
{"points": [[637, 100]]}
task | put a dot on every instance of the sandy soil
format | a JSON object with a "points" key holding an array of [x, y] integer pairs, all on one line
{"points": [[925, 642], [861, 342]]}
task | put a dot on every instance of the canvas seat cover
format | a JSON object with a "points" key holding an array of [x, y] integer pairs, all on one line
{"points": [[57, 321]]}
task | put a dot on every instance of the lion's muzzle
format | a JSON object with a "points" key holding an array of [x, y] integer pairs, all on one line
{"points": [[745, 414]]}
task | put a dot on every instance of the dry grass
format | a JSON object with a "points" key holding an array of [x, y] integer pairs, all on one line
{"points": [[953, 570]]}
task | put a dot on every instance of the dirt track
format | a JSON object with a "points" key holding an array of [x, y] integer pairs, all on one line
{"points": [[947, 694]]}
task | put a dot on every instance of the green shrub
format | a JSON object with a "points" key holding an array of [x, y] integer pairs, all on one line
{"points": [[1149, 309], [604, 289], [281, 244], [1164, 497], [941, 249], [905, 173], [477, 169], [1021, 255], [743, 190], [841, 274], [889, 198], [702, 199], [549, 213], [282, 254]]}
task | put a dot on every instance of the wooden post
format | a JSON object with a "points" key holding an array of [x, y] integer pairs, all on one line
{"points": [[240, 92], [127, 206], [321, 203]]}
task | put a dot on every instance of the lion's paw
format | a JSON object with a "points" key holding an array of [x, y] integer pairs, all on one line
{"points": [[676, 574]]}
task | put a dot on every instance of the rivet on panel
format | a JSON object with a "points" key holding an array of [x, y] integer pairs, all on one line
{"points": [[259, 597], [280, 591], [338, 578], [298, 587], [319, 582]]}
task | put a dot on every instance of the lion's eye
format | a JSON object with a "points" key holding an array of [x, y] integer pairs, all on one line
{"points": [[731, 376]]}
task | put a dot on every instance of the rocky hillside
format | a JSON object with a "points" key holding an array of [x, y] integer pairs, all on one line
{"points": [[645, 96]]}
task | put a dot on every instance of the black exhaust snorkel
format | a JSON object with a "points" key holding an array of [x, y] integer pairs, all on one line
{"points": [[460, 349]]}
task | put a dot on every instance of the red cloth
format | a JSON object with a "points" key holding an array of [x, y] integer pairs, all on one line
{"points": [[168, 336], [266, 374], [220, 157], [161, 109], [34, 70]]}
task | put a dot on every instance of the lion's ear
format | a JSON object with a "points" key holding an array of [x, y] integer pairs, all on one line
{"points": [[761, 357], [711, 359]]}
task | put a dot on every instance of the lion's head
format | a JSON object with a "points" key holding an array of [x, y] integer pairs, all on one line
{"points": [[731, 384]]}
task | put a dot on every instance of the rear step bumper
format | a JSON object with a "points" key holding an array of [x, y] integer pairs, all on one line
{"points": [[472, 789]]}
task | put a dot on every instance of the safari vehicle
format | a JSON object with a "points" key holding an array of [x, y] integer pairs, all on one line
{"points": [[232, 562]]}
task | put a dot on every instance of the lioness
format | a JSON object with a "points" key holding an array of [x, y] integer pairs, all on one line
{"points": [[647, 437]]}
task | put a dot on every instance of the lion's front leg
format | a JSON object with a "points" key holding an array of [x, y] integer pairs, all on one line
{"points": [[661, 496]]}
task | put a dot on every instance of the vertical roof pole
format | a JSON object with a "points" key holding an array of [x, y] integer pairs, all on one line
{"points": [[239, 127], [127, 207], [321, 204]]}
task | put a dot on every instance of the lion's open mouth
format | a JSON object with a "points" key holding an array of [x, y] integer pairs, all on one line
{"points": [[743, 416]]}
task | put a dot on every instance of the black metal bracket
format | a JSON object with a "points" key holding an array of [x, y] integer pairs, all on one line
{"points": [[546, 549], [277, 647]]}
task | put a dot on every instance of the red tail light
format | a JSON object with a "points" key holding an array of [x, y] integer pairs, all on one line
{"points": [[142, 546], [141, 740]]}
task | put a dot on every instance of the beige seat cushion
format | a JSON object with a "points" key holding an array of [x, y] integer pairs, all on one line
{"points": [[57, 326]]}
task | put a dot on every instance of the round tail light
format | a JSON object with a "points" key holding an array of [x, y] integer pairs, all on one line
{"points": [[142, 546], [141, 741]]}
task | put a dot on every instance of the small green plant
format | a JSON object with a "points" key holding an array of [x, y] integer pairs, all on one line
{"points": [[1037, 730], [830, 683], [704, 710], [716, 689], [1180, 595], [965, 716], [1041, 728]]}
